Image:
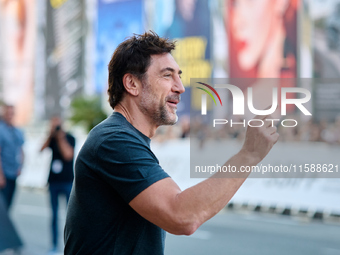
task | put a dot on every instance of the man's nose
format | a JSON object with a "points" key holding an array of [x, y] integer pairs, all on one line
{"points": [[178, 86]]}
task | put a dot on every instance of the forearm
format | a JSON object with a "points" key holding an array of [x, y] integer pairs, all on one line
{"points": [[65, 148], [182, 212], [46, 143], [199, 203]]}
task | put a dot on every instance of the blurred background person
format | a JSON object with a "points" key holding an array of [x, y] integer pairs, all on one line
{"points": [[61, 170], [11, 141], [11, 154], [185, 126]]}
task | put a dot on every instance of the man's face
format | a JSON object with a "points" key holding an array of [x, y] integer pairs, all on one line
{"points": [[161, 91]]}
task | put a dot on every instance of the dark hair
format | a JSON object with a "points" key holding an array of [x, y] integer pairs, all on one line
{"points": [[133, 56]]}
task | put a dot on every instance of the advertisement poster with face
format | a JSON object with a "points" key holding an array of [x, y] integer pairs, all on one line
{"points": [[188, 22], [116, 21], [262, 39], [17, 37]]}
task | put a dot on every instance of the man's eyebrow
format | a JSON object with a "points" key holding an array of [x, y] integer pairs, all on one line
{"points": [[170, 69]]}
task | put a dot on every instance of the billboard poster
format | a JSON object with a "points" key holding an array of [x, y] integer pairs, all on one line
{"points": [[325, 16], [17, 38], [117, 20], [262, 39], [325, 37], [65, 35], [188, 22]]}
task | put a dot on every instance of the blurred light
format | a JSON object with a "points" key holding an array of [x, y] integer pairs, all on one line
{"points": [[71, 86], [50, 102], [65, 101]]}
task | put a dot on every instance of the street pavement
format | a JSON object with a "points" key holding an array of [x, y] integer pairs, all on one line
{"points": [[230, 232]]}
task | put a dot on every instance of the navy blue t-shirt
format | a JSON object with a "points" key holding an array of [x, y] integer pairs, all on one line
{"points": [[114, 165]]}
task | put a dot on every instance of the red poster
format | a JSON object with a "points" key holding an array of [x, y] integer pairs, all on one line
{"points": [[17, 35], [262, 37]]}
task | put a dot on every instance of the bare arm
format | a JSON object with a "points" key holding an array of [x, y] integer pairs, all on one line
{"points": [[2, 176], [56, 132], [182, 212], [49, 138], [46, 143], [65, 148]]}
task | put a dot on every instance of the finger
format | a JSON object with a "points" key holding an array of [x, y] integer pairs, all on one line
{"points": [[262, 117], [275, 137], [272, 130], [272, 122]]}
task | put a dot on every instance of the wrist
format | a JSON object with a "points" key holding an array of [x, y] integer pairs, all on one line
{"points": [[249, 158]]}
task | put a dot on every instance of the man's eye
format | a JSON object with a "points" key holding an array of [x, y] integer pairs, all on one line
{"points": [[167, 75]]}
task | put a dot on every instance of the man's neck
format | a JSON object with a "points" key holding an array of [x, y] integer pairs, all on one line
{"points": [[137, 119]]}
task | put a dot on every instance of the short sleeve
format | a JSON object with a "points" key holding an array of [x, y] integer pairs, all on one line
{"points": [[128, 165]]}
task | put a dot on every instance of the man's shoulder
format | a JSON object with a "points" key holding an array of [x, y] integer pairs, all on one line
{"points": [[20, 133], [6, 128], [111, 138], [116, 133], [2, 124], [116, 127]]}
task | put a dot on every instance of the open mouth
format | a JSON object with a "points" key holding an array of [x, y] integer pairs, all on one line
{"points": [[173, 103]]}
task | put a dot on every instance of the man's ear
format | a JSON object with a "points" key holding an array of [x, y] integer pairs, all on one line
{"points": [[132, 84]]}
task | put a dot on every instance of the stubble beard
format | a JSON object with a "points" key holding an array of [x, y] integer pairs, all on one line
{"points": [[159, 115]]}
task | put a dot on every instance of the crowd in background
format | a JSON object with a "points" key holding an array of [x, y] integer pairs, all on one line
{"points": [[306, 131]]}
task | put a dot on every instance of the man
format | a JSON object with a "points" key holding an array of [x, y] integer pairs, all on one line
{"points": [[61, 171], [11, 154], [122, 200]]}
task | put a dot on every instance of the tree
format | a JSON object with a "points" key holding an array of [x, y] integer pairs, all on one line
{"points": [[87, 111]]}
